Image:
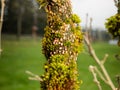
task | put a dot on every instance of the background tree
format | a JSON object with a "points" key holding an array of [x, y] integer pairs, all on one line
{"points": [[22, 16], [113, 23]]}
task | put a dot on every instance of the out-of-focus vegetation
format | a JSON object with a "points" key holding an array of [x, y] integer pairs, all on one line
{"points": [[113, 23], [16, 58], [113, 26], [19, 56], [23, 14]]}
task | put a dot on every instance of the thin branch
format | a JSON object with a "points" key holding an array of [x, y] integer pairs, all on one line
{"points": [[104, 59], [118, 81], [1, 20], [93, 54], [91, 50], [33, 76], [92, 69], [100, 75]]}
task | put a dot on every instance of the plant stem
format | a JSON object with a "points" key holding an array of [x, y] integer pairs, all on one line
{"points": [[101, 65], [1, 20]]}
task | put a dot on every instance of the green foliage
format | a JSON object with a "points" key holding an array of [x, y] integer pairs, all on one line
{"points": [[58, 73], [42, 3], [61, 44], [13, 9], [75, 18], [27, 55], [113, 26]]}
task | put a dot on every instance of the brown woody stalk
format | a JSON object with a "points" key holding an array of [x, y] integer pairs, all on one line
{"points": [[92, 69], [1, 20], [105, 76]]}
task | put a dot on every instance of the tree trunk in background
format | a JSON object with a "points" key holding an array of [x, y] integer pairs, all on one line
{"points": [[119, 15], [34, 27], [19, 22], [118, 6], [61, 44], [19, 25]]}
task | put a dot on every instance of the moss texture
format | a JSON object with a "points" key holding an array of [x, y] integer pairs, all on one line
{"points": [[62, 43]]}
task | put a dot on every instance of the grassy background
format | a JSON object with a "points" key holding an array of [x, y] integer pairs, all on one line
{"points": [[26, 54]]}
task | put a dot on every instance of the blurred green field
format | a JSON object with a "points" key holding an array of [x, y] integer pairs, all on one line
{"points": [[26, 54]]}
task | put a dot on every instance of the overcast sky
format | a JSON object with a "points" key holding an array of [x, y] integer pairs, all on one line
{"points": [[99, 10]]}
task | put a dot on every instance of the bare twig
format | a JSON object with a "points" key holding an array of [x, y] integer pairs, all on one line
{"points": [[34, 76], [104, 59], [1, 20], [100, 74], [92, 69], [101, 64], [118, 81]]}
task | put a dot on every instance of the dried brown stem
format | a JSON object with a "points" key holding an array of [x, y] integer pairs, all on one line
{"points": [[101, 64], [100, 74], [92, 69], [1, 20], [104, 59]]}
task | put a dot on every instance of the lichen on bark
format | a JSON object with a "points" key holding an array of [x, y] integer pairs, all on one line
{"points": [[62, 42]]}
